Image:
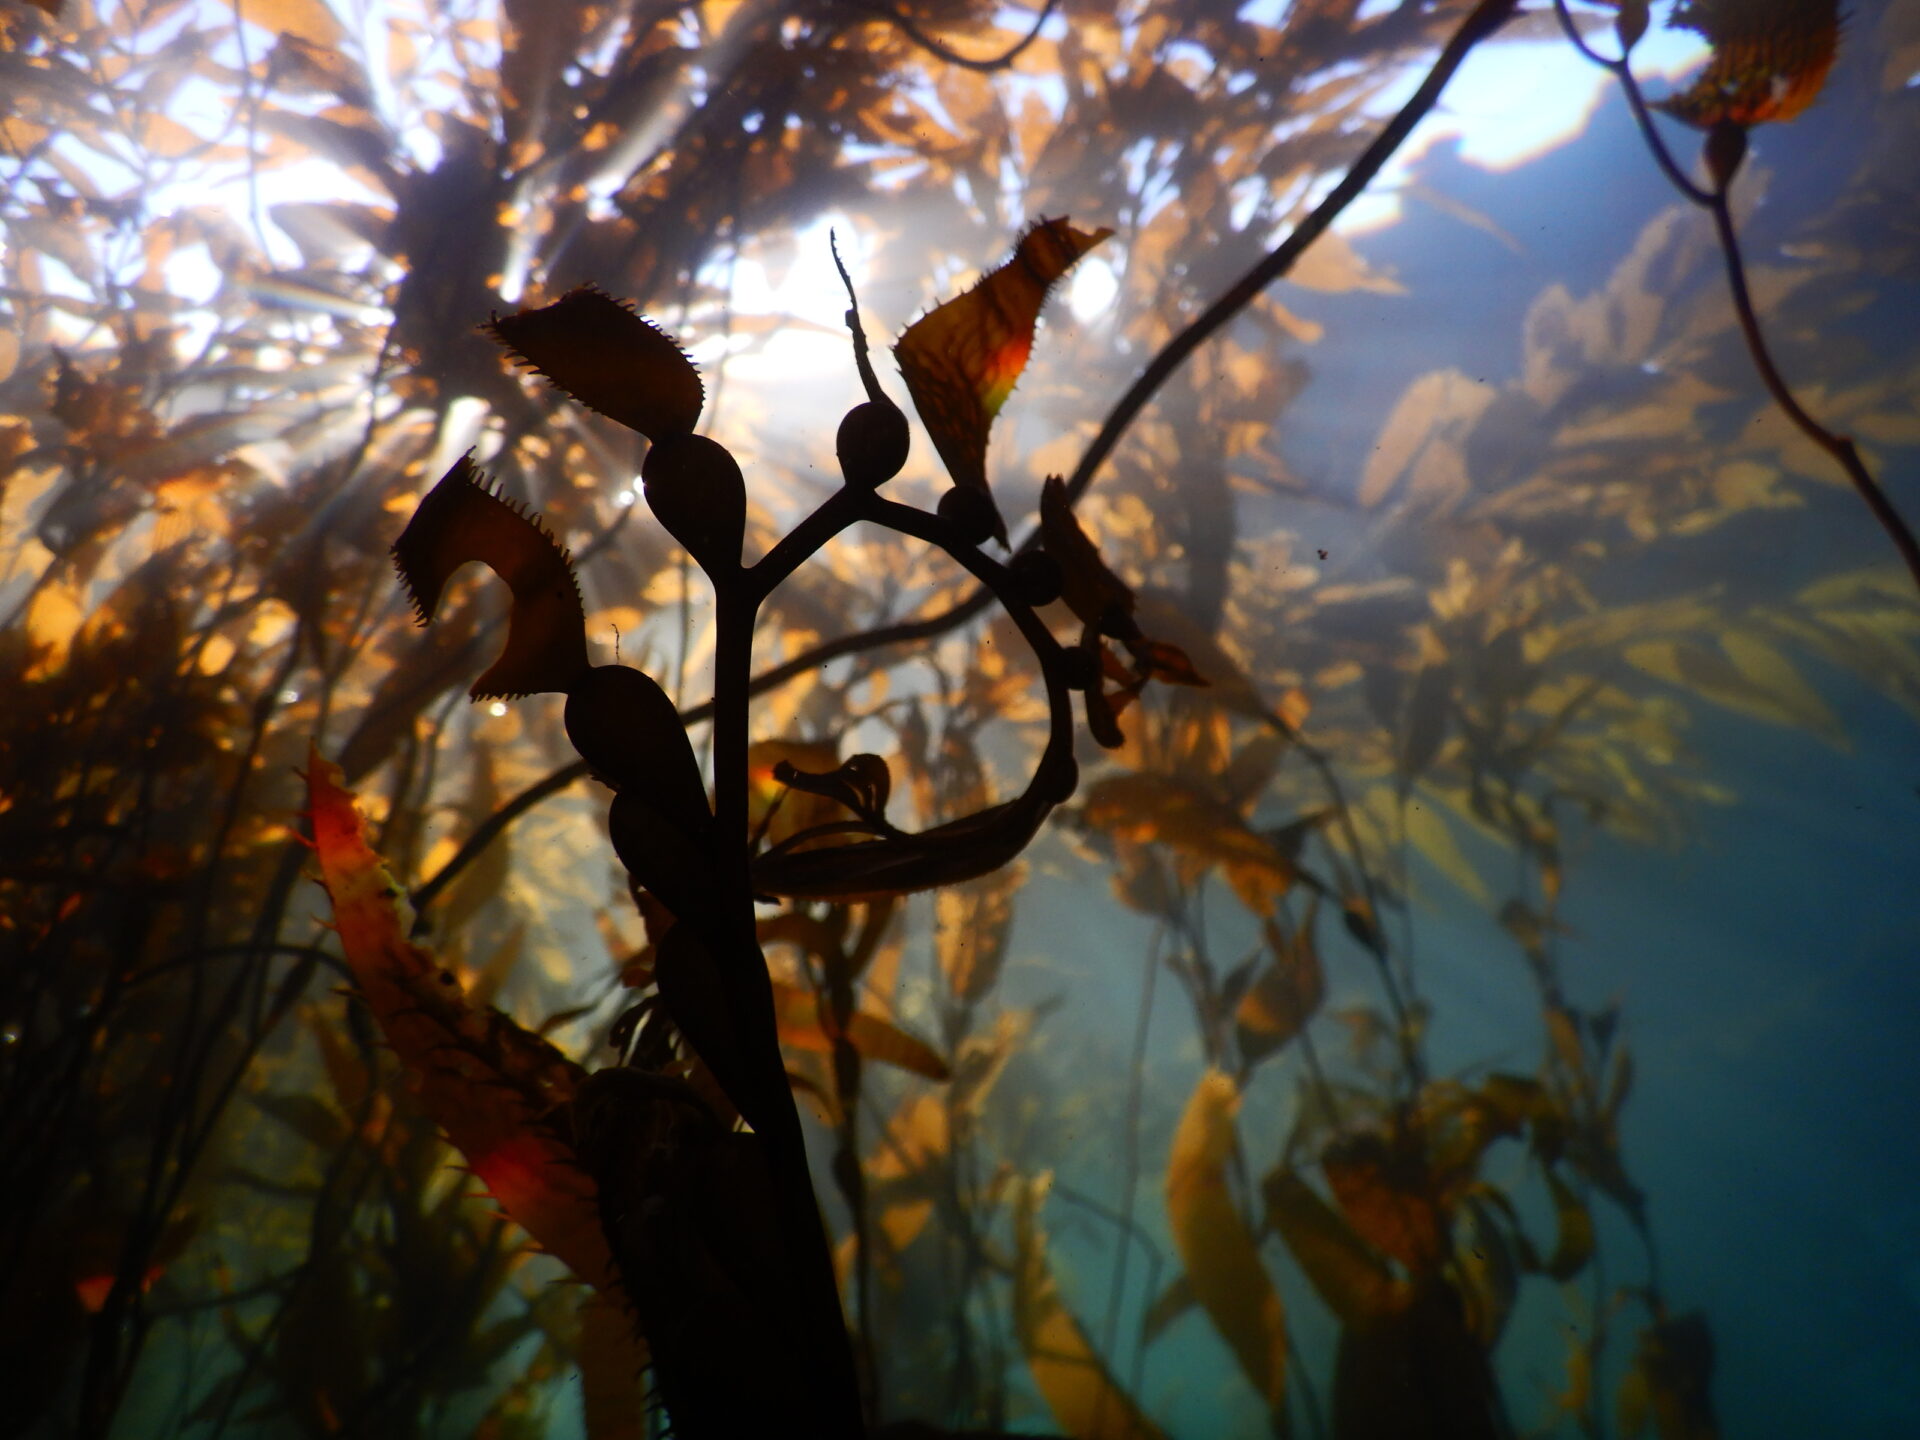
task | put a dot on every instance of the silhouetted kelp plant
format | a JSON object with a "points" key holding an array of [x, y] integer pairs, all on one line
{"points": [[236, 1203]]}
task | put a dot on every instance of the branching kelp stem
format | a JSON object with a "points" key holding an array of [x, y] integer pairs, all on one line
{"points": [[1486, 18]]}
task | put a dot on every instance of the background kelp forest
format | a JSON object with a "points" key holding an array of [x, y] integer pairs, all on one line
{"points": [[1481, 1010]]}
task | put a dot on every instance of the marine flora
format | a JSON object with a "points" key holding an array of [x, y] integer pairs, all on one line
{"points": [[1459, 718], [686, 1200]]}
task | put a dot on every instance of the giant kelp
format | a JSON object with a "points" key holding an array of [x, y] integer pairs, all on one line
{"points": [[200, 499]]}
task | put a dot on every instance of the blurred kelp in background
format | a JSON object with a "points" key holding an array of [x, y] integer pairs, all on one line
{"points": [[247, 253]]}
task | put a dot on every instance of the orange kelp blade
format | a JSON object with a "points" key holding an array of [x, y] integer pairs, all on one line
{"points": [[608, 358], [463, 518], [487, 1083], [961, 359], [1770, 59], [1084, 1397], [802, 1025], [1221, 1255], [1355, 1283]]}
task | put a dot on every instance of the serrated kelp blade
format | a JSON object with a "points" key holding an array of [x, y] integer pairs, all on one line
{"points": [[1770, 59], [960, 360], [609, 358], [462, 519]]}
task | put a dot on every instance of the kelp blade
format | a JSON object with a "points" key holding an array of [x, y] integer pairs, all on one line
{"points": [[961, 359], [1084, 1397], [484, 1081], [1221, 1255]]}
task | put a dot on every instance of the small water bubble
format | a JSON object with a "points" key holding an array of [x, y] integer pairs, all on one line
{"points": [[9, 1036], [498, 707], [289, 697]]}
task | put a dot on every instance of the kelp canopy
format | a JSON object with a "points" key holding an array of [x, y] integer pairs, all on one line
{"points": [[1477, 857]]}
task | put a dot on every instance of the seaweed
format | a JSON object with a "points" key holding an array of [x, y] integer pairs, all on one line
{"points": [[838, 1122]]}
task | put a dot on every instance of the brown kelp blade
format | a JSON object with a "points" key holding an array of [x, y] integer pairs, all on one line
{"points": [[961, 359], [1096, 595], [1286, 993], [463, 518], [609, 358], [1770, 59], [490, 1085], [1346, 1273]]}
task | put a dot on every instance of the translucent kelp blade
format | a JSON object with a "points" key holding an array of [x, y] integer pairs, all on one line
{"points": [[489, 1084], [804, 1026], [463, 518], [1286, 993], [961, 359], [1096, 595], [1220, 1253], [1770, 59], [1086, 1401], [609, 358]]}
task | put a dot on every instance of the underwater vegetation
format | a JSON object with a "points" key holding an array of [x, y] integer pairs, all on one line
{"points": [[709, 967]]}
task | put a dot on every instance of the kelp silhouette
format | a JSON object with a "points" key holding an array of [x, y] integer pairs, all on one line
{"points": [[698, 1172], [162, 663], [641, 1177]]}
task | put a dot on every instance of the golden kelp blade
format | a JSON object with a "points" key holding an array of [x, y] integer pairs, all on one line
{"points": [[462, 518], [1145, 807], [1770, 58], [961, 359], [1084, 1398], [1221, 1255], [1285, 994], [608, 358], [482, 1079], [797, 1014]]}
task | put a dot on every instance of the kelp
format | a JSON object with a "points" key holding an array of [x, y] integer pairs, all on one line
{"points": [[197, 502]]}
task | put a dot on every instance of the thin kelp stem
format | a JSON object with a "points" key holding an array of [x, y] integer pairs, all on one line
{"points": [[942, 51], [1714, 201], [1840, 447], [1130, 1140], [1487, 17], [1637, 101]]}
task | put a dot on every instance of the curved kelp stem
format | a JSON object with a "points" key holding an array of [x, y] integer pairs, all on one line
{"points": [[1726, 117]]}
